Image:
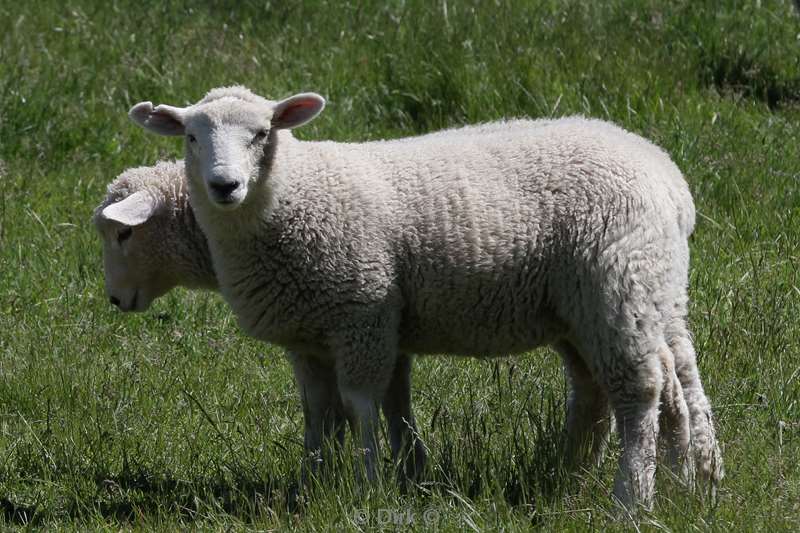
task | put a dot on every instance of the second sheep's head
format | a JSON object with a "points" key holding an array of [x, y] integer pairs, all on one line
{"points": [[227, 135]]}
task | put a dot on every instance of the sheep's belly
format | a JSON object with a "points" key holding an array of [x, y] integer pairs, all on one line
{"points": [[479, 336], [490, 323]]}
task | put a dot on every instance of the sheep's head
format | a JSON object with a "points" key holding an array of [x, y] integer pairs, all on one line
{"points": [[227, 135], [136, 269]]}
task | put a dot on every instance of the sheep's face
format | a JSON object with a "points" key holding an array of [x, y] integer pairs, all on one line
{"points": [[225, 145], [227, 135], [135, 272]]}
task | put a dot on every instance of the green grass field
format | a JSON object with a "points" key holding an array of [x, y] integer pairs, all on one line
{"points": [[173, 419]]}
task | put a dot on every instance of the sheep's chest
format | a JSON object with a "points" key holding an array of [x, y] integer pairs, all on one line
{"points": [[291, 292]]}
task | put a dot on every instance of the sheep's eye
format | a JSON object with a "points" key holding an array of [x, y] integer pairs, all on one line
{"points": [[124, 234], [260, 134], [191, 138]]}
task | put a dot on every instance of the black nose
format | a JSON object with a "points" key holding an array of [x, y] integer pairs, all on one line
{"points": [[114, 300], [225, 188]]}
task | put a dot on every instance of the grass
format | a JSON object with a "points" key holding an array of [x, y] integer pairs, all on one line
{"points": [[173, 419]]}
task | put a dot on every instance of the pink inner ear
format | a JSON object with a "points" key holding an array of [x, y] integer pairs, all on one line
{"points": [[300, 104], [296, 112]]}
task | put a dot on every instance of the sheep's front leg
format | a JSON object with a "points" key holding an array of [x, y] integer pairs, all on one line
{"points": [[408, 451], [362, 411], [365, 360], [322, 408]]}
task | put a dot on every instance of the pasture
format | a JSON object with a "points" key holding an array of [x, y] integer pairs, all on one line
{"points": [[174, 419]]}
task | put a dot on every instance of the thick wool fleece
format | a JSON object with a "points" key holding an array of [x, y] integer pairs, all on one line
{"points": [[484, 244], [480, 241]]}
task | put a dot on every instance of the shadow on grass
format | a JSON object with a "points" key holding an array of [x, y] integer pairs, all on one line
{"points": [[18, 514], [129, 497], [741, 73], [513, 452], [506, 445]]}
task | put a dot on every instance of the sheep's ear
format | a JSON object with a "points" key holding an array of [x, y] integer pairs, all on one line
{"points": [[131, 211], [163, 119], [297, 110]]}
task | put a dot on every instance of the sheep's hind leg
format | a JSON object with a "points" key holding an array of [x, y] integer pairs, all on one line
{"points": [[629, 368], [704, 446], [635, 396], [588, 415], [323, 412], [674, 420], [588, 420], [408, 451]]}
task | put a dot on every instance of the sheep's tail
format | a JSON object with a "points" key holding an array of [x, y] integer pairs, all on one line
{"points": [[687, 218], [685, 205]]}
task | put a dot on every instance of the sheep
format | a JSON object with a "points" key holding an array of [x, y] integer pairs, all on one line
{"points": [[155, 201], [152, 243], [481, 242], [169, 249]]}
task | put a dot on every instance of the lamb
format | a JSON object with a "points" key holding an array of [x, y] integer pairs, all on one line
{"points": [[481, 241], [152, 243], [168, 249]]}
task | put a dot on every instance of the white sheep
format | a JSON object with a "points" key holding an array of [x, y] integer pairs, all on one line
{"points": [[152, 243], [481, 241], [168, 249]]}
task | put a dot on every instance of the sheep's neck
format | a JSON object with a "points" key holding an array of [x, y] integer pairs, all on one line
{"points": [[194, 257]]}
